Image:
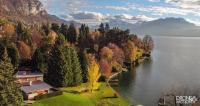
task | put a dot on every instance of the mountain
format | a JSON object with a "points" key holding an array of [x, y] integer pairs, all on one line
{"points": [[28, 11], [161, 27]]}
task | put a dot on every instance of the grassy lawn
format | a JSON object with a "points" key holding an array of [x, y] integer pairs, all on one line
{"points": [[75, 96]]}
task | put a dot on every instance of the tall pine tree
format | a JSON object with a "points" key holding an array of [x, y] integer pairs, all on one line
{"points": [[84, 65], [10, 93], [59, 73], [72, 34], [64, 67], [63, 29], [101, 28], [77, 73]]}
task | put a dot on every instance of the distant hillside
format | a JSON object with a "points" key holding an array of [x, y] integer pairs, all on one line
{"points": [[28, 11], [161, 27]]}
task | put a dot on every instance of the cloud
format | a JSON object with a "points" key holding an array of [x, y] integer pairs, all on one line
{"points": [[67, 6], [145, 18], [86, 17], [124, 8], [94, 18], [129, 18], [195, 21], [74, 10], [154, 0], [186, 4]]}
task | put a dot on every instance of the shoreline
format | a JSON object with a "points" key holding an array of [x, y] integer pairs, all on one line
{"points": [[142, 59]]}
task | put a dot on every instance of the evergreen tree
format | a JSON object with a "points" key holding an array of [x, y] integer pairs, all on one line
{"points": [[107, 27], [84, 31], [59, 73], [20, 28], [63, 29], [10, 93], [84, 64], [77, 73], [101, 28], [72, 34], [64, 68], [69, 76], [60, 40], [39, 62], [13, 52], [46, 28], [84, 36]]}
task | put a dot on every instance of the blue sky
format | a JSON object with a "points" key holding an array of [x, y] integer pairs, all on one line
{"points": [[96, 11]]}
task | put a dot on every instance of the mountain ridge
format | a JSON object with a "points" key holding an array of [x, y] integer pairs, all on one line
{"points": [[169, 26], [27, 11]]}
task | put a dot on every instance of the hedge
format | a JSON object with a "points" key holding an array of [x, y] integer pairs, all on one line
{"points": [[52, 94]]}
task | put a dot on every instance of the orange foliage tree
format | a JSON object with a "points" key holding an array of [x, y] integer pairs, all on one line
{"points": [[8, 29], [130, 51], [35, 38], [106, 53], [24, 50], [105, 67]]}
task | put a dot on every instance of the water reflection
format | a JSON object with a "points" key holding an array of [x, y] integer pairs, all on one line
{"points": [[175, 62]]}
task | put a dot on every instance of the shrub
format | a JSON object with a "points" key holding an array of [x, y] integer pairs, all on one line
{"points": [[103, 78], [56, 93]]}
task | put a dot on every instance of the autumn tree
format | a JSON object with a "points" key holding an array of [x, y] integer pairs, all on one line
{"points": [[106, 53], [93, 74], [24, 50], [10, 93], [137, 41], [130, 51], [105, 67], [148, 44], [35, 38], [118, 53], [118, 57], [52, 36], [8, 29]]}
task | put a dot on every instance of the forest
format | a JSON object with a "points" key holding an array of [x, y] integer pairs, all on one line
{"points": [[67, 55]]}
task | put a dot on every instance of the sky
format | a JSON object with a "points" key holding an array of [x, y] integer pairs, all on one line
{"points": [[96, 11]]}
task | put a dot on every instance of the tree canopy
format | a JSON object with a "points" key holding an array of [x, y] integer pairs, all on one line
{"points": [[10, 93]]}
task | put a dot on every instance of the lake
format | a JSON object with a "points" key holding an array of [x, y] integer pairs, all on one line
{"points": [[175, 63]]}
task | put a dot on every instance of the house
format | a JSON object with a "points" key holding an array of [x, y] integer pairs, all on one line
{"points": [[35, 88], [32, 84], [26, 76]]}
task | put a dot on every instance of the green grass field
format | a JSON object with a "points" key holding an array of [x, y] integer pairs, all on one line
{"points": [[74, 96]]}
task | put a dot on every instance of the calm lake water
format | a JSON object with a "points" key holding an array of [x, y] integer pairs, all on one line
{"points": [[175, 62]]}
